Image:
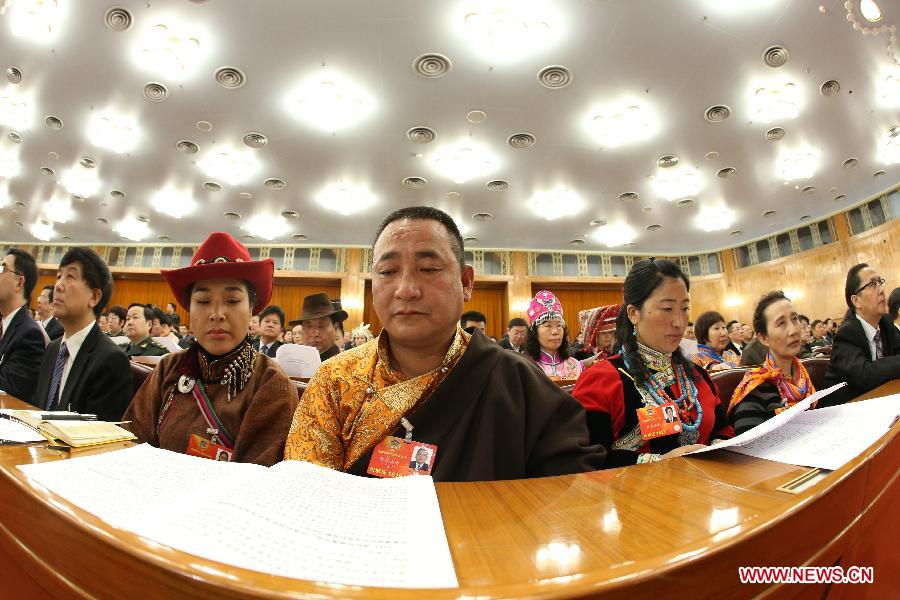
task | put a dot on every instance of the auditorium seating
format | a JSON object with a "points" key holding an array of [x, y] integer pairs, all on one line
{"points": [[139, 373], [726, 381], [816, 367]]}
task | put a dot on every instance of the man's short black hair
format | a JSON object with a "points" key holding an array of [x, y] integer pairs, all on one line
{"points": [[119, 311], [272, 309], [803, 318], [517, 322], [894, 303], [473, 316], [148, 312], [94, 271], [162, 316], [730, 323], [49, 295], [428, 213], [24, 264]]}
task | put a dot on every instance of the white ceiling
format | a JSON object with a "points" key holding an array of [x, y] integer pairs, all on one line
{"points": [[678, 58]]}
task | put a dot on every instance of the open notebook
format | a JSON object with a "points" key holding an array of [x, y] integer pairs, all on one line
{"points": [[72, 432]]}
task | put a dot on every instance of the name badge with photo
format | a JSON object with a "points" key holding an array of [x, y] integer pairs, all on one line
{"points": [[658, 421], [200, 446], [396, 457]]}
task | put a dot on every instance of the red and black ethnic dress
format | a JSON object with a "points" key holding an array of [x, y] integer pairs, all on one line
{"points": [[611, 397]]}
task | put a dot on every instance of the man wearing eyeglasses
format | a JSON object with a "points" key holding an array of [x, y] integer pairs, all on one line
{"points": [[866, 349], [22, 340]]}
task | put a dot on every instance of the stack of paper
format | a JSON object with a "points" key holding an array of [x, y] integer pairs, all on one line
{"points": [[13, 432], [294, 519]]}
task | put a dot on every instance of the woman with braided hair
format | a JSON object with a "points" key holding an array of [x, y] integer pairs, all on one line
{"points": [[626, 395]]}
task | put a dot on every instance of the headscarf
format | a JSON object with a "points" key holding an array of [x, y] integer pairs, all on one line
{"points": [[791, 393]]}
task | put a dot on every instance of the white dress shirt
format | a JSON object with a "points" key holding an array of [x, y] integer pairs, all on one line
{"points": [[870, 335], [74, 345], [7, 320]]}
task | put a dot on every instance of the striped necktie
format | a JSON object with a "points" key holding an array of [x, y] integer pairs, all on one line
{"points": [[58, 368], [879, 351]]}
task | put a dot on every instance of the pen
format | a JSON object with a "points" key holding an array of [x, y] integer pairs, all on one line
{"points": [[52, 417]]}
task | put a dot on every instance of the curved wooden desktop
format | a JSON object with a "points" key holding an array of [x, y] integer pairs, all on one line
{"points": [[674, 529]]}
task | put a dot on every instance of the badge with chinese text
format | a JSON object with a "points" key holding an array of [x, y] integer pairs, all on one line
{"points": [[395, 457], [200, 446], [657, 421]]}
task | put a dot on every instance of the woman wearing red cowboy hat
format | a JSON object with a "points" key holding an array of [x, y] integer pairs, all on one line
{"points": [[220, 397]]}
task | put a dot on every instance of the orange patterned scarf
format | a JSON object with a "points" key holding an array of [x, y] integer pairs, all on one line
{"points": [[791, 393]]}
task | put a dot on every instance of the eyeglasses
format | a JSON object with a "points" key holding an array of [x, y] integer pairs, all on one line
{"points": [[5, 269], [879, 281]]}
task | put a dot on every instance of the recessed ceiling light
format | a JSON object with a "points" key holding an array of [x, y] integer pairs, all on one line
{"points": [[53, 122], [712, 155], [345, 199], [204, 126], [715, 218], [629, 196], [47, 171], [840, 197], [81, 182], [877, 173], [850, 163], [482, 217], [162, 238], [717, 114], [667, 161], [464, 161], [654, 227], [769, 213], [58, 209], [674, 184], [805, 218], [420, 135], [173, 202], [246, 195], [521, 140], [830, 87], [118, 19], [414, 183], [686, 202], [290, 214], [87, 162], [103, 220], [809, 189], [453, 195], [597, 223], [231, 215], [14, 137], [470, 240], [556, 203], [43, 230], [170, 48], [775, 134], [36, 20], [115, 132], [505, 30], [266, 226], [870, 10], [726, 173], [16, 108], [498, 185], [476, 116], [212, 186], [229, 164], [155, 92], [230, 78], [621, 123], [299, 236], [576, 242], [330, 102], [132, 228], [776, 101], [554, 77], [275, 184], [615, 234], [255, 140], [736, 232], [775, 56], [187, 147], [797, 164], [14, 75], [432, 65]]}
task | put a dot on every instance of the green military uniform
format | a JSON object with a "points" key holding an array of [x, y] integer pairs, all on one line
{"points": [[146, 347]]}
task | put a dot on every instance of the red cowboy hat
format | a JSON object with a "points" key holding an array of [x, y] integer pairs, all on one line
{"points": [[223, 257]]}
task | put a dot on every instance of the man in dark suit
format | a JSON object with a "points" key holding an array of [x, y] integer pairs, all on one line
{"points": [[271, 326], [420, 461], [49, 322], [516, 333], [84, 371], [736, 338], [866, 349], [22, 341]]}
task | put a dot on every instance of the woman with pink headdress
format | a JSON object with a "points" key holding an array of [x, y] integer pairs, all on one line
{"points": [[548, 338]]}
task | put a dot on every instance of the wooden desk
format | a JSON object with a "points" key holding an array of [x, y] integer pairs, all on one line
{"points": [[674, 529]]}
